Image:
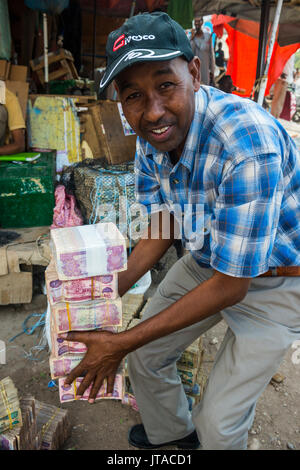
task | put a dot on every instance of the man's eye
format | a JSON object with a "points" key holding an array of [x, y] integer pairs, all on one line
{"points": [[132, 96], [166, 85]]}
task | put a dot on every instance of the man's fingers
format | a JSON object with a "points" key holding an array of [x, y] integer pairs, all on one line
{"points": [[86, 382], [78, 336], [96, 387], [78, 371], [110, 383]]}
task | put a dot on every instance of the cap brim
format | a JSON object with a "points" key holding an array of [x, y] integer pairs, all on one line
{"points": [[132, 57]]}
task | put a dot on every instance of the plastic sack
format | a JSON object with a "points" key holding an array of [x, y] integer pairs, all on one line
{"points": [[142, 285], [65, 212]]}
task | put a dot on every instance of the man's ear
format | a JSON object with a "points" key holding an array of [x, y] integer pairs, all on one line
{"points": [[195, 70]]}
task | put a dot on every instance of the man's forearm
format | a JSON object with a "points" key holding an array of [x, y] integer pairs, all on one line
{"points": [[18, 144], [144, 256], [147, 252]]}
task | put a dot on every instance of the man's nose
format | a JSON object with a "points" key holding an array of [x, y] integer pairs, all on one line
{"points": [[154, 109]]}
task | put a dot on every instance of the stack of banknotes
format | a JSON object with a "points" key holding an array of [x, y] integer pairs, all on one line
{"points": [[53, 425], [44, 427], [10, 412], [82, 291], [24, 436]]}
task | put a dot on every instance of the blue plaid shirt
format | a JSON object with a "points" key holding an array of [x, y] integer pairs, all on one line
{"points": [[239, 179]]}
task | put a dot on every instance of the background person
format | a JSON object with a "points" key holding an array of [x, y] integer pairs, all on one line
{"points": [[202, 47], [12, 124]]}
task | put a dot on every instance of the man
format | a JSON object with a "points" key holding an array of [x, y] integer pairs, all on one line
{"points": [[12, 124], [220, 59], [225, 84], [201, 43], [236, 172], [281, 86]]}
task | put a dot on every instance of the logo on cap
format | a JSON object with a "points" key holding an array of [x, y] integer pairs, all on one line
{"points": [[122, 41]]}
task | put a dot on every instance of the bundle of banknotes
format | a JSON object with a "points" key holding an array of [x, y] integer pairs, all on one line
{"points": [[44, 427], [88, 250], [69, 392], [53, 425], [24, 436], [10, 412], [82, 291]]}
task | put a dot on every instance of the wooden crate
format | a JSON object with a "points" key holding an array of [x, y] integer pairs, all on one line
{"points": [[104, 133], [16, 262], [60, 62]]}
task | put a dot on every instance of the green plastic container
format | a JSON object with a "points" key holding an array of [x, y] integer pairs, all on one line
{"points": [[27, 192]]}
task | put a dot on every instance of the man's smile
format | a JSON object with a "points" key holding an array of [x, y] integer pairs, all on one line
{"points": [[160, 133]]}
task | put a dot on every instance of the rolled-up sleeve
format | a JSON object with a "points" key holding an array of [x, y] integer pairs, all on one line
{"points": [[246, 215]]}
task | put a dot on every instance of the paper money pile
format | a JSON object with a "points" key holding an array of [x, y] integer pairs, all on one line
{"points": [[82, 292], [53, 425], [88, 250], [44, 427], [10, 412], [25, 435]]}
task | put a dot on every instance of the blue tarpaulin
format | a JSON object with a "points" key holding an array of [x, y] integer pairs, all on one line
{"points": [[48, 6]]}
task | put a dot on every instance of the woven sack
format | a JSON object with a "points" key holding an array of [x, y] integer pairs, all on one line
{"points": [[102, 184]]}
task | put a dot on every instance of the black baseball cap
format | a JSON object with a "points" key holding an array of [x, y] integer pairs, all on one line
{"points": [[144, 37]]}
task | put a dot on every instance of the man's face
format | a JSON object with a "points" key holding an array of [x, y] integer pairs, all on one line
{"points": [[198, 24], [158, 100]]}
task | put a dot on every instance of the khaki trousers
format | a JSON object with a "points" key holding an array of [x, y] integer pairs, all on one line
{"points": [[261, 329]]}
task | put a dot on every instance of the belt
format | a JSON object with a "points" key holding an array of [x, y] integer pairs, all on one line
{"points": [[282, 271]]}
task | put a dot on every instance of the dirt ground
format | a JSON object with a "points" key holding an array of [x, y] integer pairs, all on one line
{"points": [[104, 425]]}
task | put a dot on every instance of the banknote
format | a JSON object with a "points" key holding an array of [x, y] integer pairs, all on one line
{"points": [[130, 400], [10, 412], [69, 393], [60, 367], [79, 290], [61, 347], [88, 250], [86, 315], [188, 376], [53, 425], [44, 426]]}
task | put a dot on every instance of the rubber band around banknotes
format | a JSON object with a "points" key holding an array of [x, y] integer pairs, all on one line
{"points": [[69, 317], [46, 425], [6, 405], [92, 288], [75, 390]]}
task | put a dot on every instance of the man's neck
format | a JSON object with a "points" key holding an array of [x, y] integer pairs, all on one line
{"points": [[174, 157]]}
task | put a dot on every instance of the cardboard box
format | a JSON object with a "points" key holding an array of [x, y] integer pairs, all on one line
{"points": [[4, 69], [20, 89], [16, 288], [18, 73], [106, 137]]}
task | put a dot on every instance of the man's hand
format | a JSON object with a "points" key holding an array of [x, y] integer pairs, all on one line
{"points": [[101, 361]]}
